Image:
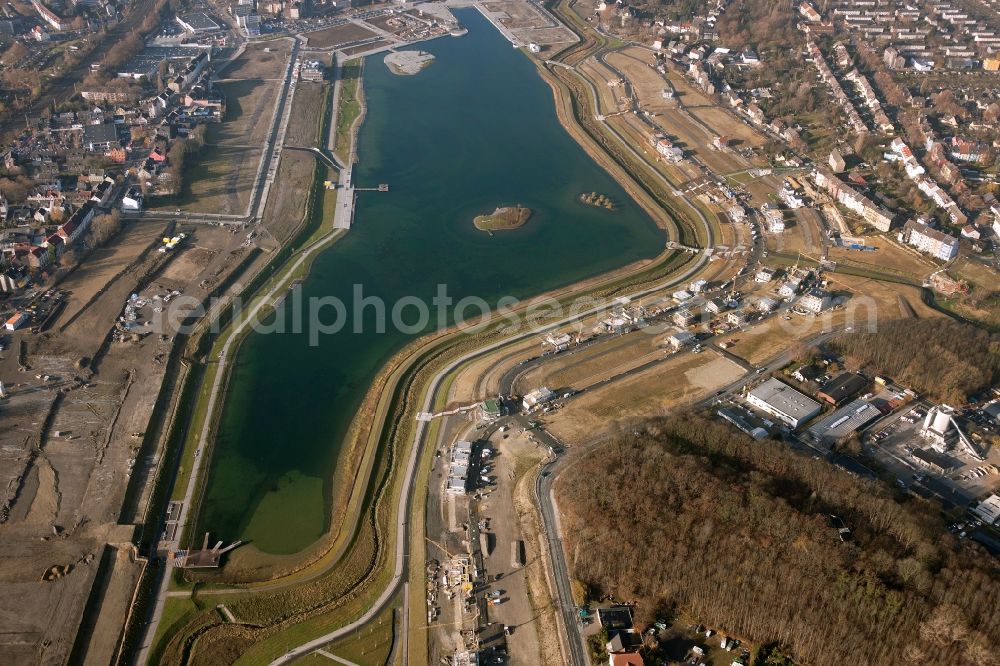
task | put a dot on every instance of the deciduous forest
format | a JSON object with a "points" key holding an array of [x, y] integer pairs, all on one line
{"points": [[943, 359], [689, 514]]}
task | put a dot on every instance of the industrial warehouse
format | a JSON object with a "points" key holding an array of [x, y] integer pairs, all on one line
{"points": [[780, 400]]}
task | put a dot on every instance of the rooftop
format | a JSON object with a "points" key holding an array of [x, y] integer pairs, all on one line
{"points": [[785, 399], [845, 421], [842, 386]]}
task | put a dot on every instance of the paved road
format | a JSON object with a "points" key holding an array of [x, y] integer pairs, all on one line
{"points": [[553, 536]]}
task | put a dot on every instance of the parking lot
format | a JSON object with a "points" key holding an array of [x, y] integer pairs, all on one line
{"points": [[896, 442]]}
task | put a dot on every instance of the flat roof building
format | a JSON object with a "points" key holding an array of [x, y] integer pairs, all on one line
{"points": [[197, 22], [938, 462], [537, 397], [783, 402], [988, 510], [458, 468], [680, 339], [844, 422], [815, 301]]}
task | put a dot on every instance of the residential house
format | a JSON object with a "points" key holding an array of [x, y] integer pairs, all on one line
{"points": [[815, 301]]}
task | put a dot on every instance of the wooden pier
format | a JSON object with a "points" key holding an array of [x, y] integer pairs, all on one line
{"points": [[382, 187]]}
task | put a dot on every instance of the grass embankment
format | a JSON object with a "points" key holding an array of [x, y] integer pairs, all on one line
{"points": [[193, 404], [575, 111], [503, 218], [348, 108], [371, 645]]}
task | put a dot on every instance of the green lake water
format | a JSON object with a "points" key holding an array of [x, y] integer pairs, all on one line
{"points": [[474, 130]]}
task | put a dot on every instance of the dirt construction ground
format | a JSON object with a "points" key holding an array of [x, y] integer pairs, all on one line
{"points": [[74, 456], [260, 61], [304, 121]]}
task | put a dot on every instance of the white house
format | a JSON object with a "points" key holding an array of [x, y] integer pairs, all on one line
{"points": [[680, 339], [815, 301]]}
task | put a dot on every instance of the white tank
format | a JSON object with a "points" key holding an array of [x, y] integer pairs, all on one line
{"points": [[929, 418], [942, 420]]}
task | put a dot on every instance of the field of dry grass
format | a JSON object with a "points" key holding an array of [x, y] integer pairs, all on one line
{"points": [[674, 382], [341, 34], [304, 123]]}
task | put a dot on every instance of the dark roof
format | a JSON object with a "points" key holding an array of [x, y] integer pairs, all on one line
{"points": [[624, 641], [100, 133], [842, 387], [935, 459], [615, 617]]}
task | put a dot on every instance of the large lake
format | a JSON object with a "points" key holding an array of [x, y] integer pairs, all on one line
{"points": [[474, 130]]}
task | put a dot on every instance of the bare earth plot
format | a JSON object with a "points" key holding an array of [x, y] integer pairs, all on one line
{"points": [[890, 257], [612, 97], [529, 24], [103, 264], [341, 34], [67, 463], [649, 393], [582, 368], [260, 61], [685, 92], [249, 110], [739, 133], [646, 81], [377, 44]]}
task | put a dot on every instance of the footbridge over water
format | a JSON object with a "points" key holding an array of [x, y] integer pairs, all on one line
{"points": [[327, 158]]}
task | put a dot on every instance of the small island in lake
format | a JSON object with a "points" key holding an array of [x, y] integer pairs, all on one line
{"points": [[599, 200], [503, 218]]}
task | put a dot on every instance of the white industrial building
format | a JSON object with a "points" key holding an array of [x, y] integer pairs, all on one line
{"points": [[539, 396], [988, 510], [783, 402], [844, 422], [458, 468], [942, 430], [197, 22]]}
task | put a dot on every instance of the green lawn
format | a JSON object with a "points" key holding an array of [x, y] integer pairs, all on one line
{"points": [[349, 107]]}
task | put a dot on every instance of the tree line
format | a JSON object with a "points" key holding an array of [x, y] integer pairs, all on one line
{"points": [[686, 513]]}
